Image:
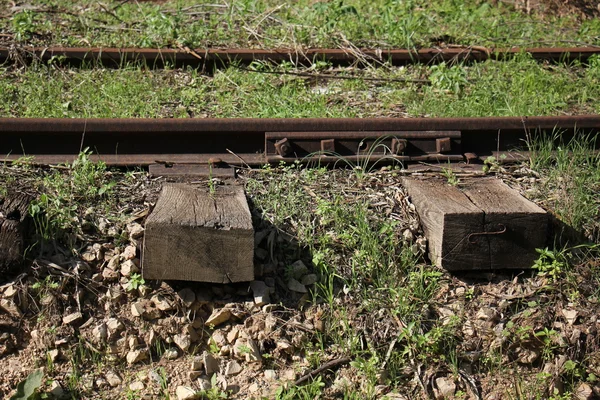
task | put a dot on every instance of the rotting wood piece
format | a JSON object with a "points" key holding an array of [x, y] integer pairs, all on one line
{"points": [[481, 224], [525, 224], [13, 229], [448, 217], [195, 235]]}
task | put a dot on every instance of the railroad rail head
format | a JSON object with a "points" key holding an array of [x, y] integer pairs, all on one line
{"points": [[159, 58], [223, 142]]}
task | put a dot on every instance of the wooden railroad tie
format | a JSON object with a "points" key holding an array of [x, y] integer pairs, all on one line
{"points": [[195, 235], [14, 209], [479, 225]]}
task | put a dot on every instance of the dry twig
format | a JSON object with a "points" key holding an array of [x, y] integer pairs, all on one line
{"points": [[328, 365]]}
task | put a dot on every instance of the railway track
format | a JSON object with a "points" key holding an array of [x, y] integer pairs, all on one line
{"points": [[187, 142], [158, 58]]}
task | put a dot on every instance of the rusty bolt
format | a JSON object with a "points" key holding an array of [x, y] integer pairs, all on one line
{"points": [[283, 147], [398, 146], [443, 145]]}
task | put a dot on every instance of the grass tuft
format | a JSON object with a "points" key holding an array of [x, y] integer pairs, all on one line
{"points": [[518, 87], [571, 179], [305, 23]]}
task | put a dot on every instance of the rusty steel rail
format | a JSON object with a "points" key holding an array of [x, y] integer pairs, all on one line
{"points": [[158, 58], [180, 142]]}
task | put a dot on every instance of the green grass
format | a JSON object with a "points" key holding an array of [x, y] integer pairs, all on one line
{"points": [[378, 294], [570, 180], [517, 87], [363, 264], [379, 299], [269, 23], [313, 390], [65, 195]]}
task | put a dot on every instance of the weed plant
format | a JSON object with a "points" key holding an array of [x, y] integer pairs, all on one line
{"points": [[66, 193], [304, 23], [307, 392], [571, 179], [372, 282], [363, 266], [518, 87]]}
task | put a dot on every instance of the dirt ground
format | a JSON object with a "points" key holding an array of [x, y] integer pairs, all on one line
{"points": [[99, 332], [582, 8]]}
